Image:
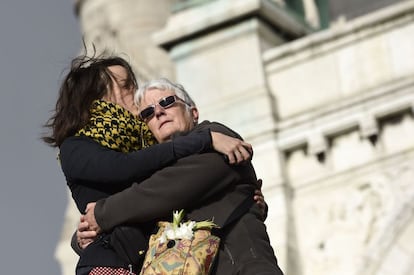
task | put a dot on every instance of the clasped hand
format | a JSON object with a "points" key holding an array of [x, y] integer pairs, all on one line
{"points": [[88, 228]]}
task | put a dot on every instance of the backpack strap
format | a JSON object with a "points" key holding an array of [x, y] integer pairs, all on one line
{"points": [[240, 210]]}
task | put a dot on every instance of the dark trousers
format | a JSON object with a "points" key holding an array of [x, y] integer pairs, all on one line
{"points": [[245, 249]]}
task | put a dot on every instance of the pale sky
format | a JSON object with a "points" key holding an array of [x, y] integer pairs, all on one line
{"points": [[38, 38]]}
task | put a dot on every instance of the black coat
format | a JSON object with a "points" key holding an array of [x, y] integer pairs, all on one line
{"points": [[207, 188], [94, 172]]}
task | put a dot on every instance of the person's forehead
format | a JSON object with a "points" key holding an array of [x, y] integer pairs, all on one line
{"points": [[117, 70]]}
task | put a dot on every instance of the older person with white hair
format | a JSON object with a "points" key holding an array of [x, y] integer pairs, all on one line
{"points": [[205, 185]]}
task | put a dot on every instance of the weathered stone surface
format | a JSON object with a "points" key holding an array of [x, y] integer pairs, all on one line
{"points": [[330, 116]]}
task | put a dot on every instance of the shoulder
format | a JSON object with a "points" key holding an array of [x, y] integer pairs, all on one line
{"points": [[218, 127], [78, 144], [75, 141]]}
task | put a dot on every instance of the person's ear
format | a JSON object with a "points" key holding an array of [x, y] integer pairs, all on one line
{"points": [[194, 114]]}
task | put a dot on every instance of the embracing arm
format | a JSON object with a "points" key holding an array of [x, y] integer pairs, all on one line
{"points": [[84, 159], [174, 187]]}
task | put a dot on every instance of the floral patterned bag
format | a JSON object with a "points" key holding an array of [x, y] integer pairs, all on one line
{"points": [[181, 248]]}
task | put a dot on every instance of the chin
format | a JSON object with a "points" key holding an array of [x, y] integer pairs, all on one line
{"points": [[165, 136], [167, 130]]}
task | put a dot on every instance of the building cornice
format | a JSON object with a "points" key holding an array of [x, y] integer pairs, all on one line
{"points": [[189, 24], [390, 17]]}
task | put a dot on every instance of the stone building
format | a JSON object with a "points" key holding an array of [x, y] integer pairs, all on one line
{"points": [[323, 89]]}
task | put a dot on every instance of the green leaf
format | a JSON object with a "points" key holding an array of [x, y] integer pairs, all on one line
{"points": [[205, 225], [177, 217]]}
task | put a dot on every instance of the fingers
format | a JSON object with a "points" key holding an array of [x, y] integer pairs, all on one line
{"points": [[259, 199], [258, 192], [85, 238], [239, 153], [90, 217], [83, 226], [248, 147], [236, 150], [245, 153], [84, 235], [90, 206]]}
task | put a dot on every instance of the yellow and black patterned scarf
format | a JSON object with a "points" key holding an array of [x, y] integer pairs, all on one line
{"points": [[116, 128]]}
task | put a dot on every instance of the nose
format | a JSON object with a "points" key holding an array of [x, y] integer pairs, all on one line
{"points": [[158, 110]]}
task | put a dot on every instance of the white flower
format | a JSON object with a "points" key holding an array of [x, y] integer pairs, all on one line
{"points": [[185, 230], [170, 232], [177, 230]]}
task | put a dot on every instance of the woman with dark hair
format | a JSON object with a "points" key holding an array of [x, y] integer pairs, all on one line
{"points": [[94, 120]]}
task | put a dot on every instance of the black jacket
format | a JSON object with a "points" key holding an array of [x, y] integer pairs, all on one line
{"points": [[94, 172], [207, 188]]}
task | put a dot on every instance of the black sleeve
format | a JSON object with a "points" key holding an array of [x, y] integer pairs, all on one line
{"points": [[194, 142], [74, 244], [83, 159]]}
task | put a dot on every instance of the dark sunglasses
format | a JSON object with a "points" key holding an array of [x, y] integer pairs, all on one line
{"points": [[165, 103]]}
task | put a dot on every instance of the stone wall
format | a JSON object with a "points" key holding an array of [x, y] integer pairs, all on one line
{"points": [[327, 114], [330, 116], [344, 98]]}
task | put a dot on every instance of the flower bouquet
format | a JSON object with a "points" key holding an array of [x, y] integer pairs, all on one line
{"points": [[185, 248]]}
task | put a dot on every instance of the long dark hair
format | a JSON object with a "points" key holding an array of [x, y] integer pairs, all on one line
{"points": [[88, 79]]}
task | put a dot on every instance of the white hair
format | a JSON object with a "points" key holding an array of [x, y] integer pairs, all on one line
{"points": [[163, 84]]}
